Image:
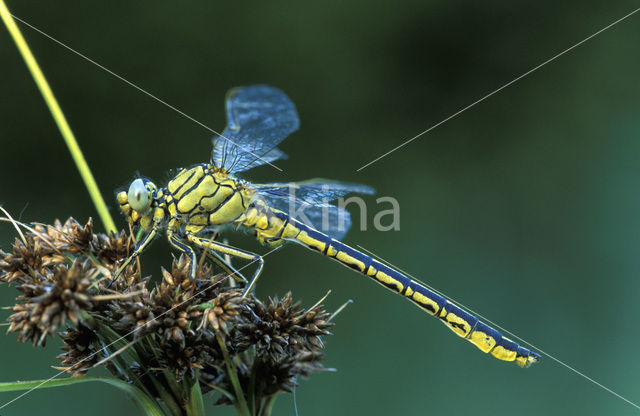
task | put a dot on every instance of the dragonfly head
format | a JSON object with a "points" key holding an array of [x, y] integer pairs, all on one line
{"points": [[137, 202]]}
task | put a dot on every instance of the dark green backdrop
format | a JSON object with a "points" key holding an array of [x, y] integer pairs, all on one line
{"points": [[524, 208]]}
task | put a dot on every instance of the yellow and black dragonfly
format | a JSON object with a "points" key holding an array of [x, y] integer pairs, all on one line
{"points": [[210, 195]]}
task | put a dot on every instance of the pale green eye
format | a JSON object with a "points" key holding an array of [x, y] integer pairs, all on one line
{"points": [[139, 197]]}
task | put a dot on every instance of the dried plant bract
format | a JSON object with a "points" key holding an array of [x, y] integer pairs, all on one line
{"points": [[161, 335]]}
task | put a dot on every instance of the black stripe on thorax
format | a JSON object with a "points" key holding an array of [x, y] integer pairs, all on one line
{"points": [[227, 199], [194, 186], [208, 195], [199, 204], [193, 172]]}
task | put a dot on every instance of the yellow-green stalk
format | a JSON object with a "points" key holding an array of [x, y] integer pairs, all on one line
{"points": [[59, 117]]}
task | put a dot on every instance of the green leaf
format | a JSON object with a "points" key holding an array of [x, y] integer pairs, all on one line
{"points": [[196, 405], [222, 391], [146, 403]]}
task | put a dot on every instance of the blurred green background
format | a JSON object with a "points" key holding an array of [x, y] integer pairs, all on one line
{"points": [[524, 208]]}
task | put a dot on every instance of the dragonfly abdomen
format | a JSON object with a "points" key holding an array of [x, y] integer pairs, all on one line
{"points": [[462, 323]]}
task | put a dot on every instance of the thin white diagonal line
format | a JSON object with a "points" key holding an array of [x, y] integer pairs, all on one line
{"points": [[504, 330], [498, 90], [126, 335], [126, 81]]}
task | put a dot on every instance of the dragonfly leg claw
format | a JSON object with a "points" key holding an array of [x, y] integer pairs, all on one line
{"points": [[146, 240], [256, 318]]}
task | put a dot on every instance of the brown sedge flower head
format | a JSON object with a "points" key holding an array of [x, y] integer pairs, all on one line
{"points": [[70, 236], [56, 268], [28, 260], [82, 350], [286, 338], [175, 326], [179, 314], [50, 300], [48, 245], [222, 310], [284, 328], [111, 249]]}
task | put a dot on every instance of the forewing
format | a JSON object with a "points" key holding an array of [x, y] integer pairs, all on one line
{"points": [[259, 117]]}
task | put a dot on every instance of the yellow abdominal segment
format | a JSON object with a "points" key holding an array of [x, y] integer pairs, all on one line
{"points": [[273, 226]]}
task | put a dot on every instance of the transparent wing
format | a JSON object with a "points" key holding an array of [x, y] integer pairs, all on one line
{"points": [[259, 117], [310, 203], [313, 191]]}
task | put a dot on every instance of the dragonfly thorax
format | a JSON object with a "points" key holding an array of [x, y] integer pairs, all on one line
{"points": [[205, 195]]}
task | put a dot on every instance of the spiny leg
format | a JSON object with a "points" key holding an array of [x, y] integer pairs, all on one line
{"points": [[233, 273], [224, 263], [227, 258], [226, 266], [182, 247], [139, 249], [233, 252]]}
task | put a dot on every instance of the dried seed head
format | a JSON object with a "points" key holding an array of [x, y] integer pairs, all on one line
{"points": [[27, 262], [178, 312], [176, 326], [287, 344], [70, 236], [282, 375], [50, 300], [191, 353], [82, 350], [222, 310], [50, 245], [112, 249], [284, 328]]}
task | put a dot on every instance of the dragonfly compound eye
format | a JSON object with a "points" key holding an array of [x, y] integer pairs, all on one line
{"points": [[139, 196]]}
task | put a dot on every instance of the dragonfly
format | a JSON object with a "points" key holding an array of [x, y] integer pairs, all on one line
{"points": [[210, 195]]}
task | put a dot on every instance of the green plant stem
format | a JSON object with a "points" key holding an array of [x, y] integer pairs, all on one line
{"points": [[172, 395], [252, 390], [59, 118], [268, 406], [167, 398], [174, 387], [241, 402]]}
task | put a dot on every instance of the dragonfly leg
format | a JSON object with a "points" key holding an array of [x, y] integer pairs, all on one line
{"points": [[233, 252], [226, 266], [227, 257], [144, 243], [184, 248]]}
